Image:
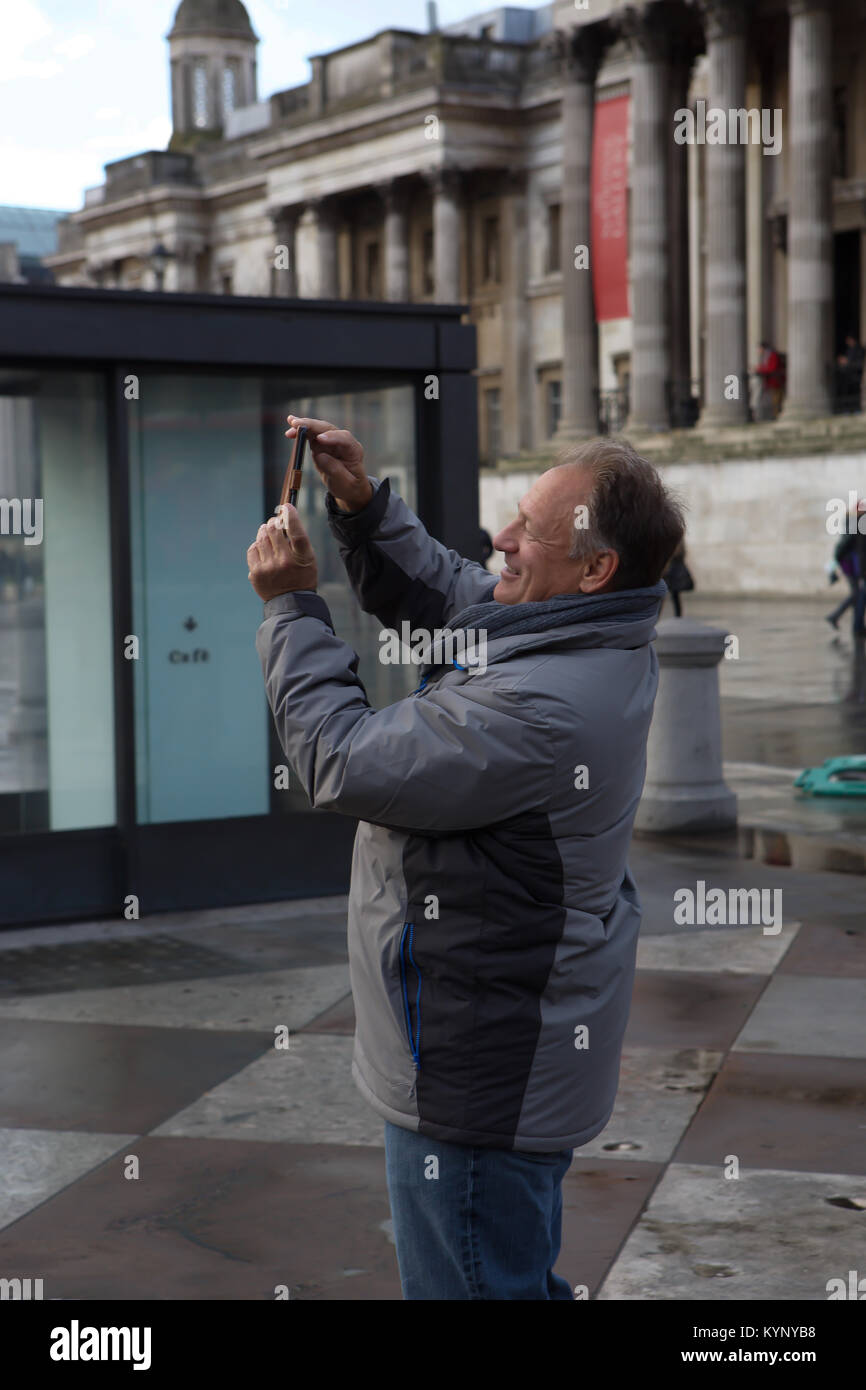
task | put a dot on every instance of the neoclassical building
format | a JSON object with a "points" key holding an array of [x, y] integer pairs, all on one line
{"points": [[629, 198]]}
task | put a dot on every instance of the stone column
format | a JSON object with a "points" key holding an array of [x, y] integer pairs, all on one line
{"points": [[684, 787], [725, 357], [446, 234], [284, 279], [396, 250], [580, 52], [680, 400], [810, 213], [329, 269], [518, 387], [650, 231]]}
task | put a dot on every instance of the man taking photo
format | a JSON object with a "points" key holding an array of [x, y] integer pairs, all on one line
{"points": [[493, 921]]}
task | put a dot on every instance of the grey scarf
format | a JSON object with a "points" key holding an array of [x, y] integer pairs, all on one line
{"points": [[507, 619], [503, 619]]}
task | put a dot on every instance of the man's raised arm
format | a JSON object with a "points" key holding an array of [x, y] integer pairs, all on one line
{"points": [[397, 570]]}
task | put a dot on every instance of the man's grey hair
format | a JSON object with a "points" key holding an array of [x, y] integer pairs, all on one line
{"points": [[630, 511]]}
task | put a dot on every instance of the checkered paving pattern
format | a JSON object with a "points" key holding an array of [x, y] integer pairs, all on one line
{"points": [[156, 1144]]}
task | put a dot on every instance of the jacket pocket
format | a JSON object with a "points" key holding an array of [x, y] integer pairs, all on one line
{"points": [[410, 986]]}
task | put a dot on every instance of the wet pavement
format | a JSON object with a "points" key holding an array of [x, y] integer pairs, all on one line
{"points": [[792, 697], [733, 1167], [260, 1166]]}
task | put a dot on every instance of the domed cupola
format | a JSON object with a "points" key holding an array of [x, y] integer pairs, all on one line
{"points": [[213, 68]]}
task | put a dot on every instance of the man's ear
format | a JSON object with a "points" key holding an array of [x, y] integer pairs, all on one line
{"points": [[599, 572]]}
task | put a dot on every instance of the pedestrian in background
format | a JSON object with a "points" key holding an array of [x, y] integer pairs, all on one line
{"points": [[678, 578], [771, 370], [486, 547], [860, 560], [845, 561]]}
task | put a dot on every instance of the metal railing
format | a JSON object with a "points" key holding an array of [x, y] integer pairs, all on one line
{"points": [[612, 410]]}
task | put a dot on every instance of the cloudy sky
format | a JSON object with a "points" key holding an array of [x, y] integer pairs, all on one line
{"points": [[83, 82]]}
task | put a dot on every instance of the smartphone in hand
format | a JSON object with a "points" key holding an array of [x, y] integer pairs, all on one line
{"points": [[292, 480]]}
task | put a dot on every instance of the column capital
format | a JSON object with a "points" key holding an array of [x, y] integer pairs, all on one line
{"points": [[514, 182], [647, 33], [285, 213], [394, 193], [326, 207], [445, 178], [578, 52], [724, 19]]}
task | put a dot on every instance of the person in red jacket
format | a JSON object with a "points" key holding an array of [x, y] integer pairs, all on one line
{"points": [[772, 373]]}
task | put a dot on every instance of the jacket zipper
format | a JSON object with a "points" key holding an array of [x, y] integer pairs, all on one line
{"points": [[414, 1035]]}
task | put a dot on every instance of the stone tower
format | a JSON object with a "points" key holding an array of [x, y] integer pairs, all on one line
{"points": [[213, 68]]}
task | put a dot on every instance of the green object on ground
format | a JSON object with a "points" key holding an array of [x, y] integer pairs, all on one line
{"points": [[836, 777]]}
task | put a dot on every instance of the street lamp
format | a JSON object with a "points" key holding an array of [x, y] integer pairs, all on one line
{"points": [[159, 259]]}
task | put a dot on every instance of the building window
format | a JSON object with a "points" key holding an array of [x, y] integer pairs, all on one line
{"points": [[554, 406], [490, 250], [493, 422], [57, 652], [554, 239], [230, 88], [202, 449], [226, 282], [428, 274], [371, 270], [199, 95]]}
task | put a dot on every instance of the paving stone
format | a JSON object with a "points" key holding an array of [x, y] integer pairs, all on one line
{"points": [[314, 938], [766, 1236], [690, 1009], [339, 1019], [302, 918], [601, 1200], [256, 1002], [304, 1094], [105, 1079], [805, 1113], [810, 1016], [659, 1093], [37, 1163], [827, 951], [216, 1219], [737, 950], [115, 961]]}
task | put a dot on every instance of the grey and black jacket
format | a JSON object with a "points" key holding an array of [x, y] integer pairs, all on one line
{"points": [[493, 921]]}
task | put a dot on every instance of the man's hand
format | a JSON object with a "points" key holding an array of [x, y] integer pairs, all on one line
{"points": [[280, 563], [339, 460]]}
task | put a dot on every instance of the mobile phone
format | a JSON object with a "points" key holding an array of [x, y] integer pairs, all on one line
{"points": [[292, 480]]}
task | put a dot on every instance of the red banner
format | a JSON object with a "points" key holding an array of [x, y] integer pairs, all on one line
{"points": [[609, 251]]}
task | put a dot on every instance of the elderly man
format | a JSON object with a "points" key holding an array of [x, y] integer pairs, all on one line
{"points": [[493, 921]]}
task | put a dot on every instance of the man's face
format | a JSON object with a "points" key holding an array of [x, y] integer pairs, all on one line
{"points": [[537, 541]]}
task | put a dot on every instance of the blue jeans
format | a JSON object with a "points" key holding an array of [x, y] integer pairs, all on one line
{"points": [[475, 1223]]}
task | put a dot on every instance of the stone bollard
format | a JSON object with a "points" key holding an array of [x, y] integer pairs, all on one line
{"points": [[684, 789]]}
